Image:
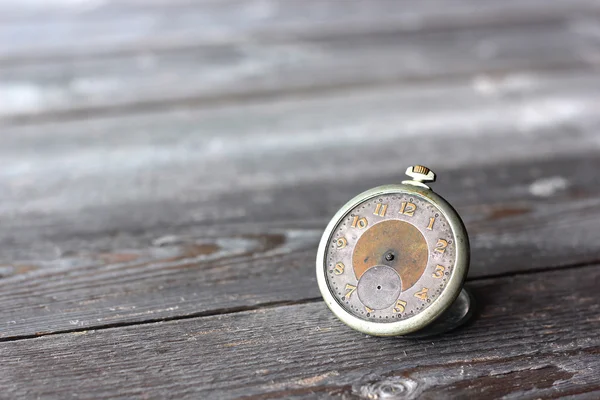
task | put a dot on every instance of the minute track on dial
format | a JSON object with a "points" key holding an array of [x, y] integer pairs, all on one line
{"points": [[394, 239]]}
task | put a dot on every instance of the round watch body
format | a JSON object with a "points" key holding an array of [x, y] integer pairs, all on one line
{"points": [[393, 259]]}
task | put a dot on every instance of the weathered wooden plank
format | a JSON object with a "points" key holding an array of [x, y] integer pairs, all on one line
{"points": [[199, 214], [34, 30], [133, 219], [56, 168], [249, 70], [126, 275], [535, 337]]}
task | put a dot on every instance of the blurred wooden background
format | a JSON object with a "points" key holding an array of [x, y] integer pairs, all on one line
{"points": [[167, 169]]}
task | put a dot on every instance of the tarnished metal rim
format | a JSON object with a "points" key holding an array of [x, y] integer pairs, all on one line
{"points": [[439, 305]]}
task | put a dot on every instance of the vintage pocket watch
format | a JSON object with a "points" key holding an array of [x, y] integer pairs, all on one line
{"points": [[393, 261]]}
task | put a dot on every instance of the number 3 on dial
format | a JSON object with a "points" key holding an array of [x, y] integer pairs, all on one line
{"points": [[439, 271]]}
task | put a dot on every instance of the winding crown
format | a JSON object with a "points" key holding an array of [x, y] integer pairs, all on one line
{"points": [[420, 174]]}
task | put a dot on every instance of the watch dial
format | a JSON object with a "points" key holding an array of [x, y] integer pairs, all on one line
{"points": [[390, 257]]}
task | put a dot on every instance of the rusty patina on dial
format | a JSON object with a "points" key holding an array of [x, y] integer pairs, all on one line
{"points": [[397, 244], [390, 257]]}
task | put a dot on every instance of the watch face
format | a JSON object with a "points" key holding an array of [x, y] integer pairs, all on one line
{"points": [[389, 257]]}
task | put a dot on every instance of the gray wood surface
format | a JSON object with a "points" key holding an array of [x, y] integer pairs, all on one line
{"points": [[246, 71], [40, 29], [102, 229], [167, 169], [535, 337]]}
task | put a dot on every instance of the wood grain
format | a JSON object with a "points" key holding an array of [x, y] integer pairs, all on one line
{"points": [[61, 168], [535, 337], [131, 275], [247, 71], [35, 30], [167, 168], [125, 220]]}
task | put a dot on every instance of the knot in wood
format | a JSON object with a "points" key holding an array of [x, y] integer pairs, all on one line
{"points": [[390, 389]]}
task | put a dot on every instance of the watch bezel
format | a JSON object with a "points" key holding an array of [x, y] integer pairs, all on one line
{"points": [[439, 305]]}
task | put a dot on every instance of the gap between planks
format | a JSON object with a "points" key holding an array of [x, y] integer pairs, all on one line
{"points": [[166, 106], [419, 22], [192, 45], [272, 304]]}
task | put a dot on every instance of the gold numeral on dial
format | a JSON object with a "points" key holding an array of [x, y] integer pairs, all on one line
{"points": [[422, 294], [369, 310], [339, 268], [441, 245], [360, 223], [430, 226], [349, 290], [400, 306], [408, 209], [380, 209], [341, 243], [439, 271]]}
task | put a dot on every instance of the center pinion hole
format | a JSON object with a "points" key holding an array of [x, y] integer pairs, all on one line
{"points": [[378, 287]]}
